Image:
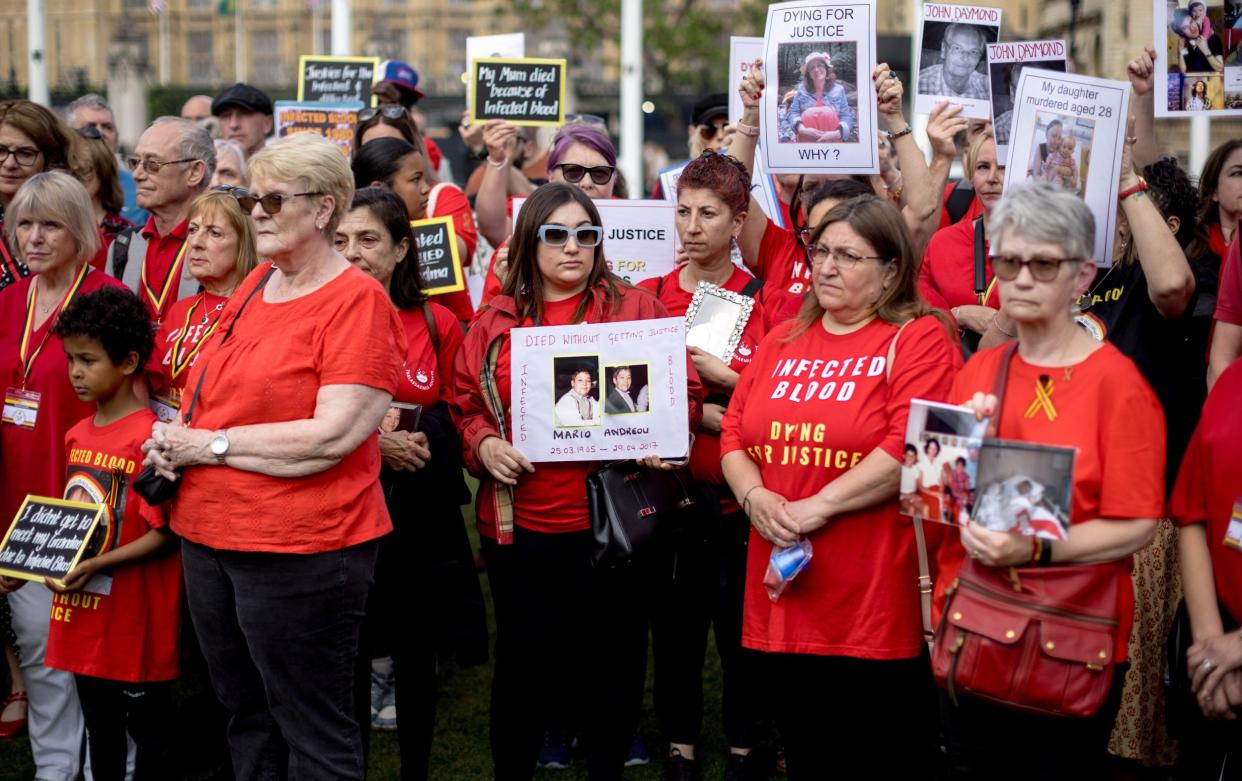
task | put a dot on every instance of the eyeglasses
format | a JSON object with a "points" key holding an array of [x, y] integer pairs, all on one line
{"points": [[573, 173], [586, 119], [25, 156], [391, 111], [958, 51], [558, 235], [708, 132], [153, 166], [1008, 268], [271, 203], [841, 258], [225, 188], [91, 132]]}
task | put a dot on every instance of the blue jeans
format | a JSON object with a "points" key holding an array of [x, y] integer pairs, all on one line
{"points": [[280, 636]]}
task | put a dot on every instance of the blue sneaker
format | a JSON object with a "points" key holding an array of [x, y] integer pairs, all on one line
{"points": [[554, 753], [637, 753]]}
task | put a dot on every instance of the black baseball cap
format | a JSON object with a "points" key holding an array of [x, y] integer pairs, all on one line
{"points": [[244, 95], [709, 108]]}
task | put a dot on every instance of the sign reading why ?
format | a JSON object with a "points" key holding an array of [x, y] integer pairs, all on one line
{"points": [[520, 91]]}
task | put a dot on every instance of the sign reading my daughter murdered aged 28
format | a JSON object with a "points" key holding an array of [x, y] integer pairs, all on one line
{"points": [[525, 91]]}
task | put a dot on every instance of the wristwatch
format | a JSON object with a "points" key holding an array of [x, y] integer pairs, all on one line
{"points": [[220, 445]]}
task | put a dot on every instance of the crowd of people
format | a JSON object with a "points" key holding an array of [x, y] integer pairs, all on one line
{"points": [[220, 340]]}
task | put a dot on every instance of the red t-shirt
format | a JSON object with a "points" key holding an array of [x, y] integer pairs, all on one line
{"points": [[427, 376], [165, 263], [1229, 299], [270, 370], [947, 274], [33, 460], [704, 461], [132, 633], [1109, 414], [785, 273], [184, 333], [806, 411], [1210, 482], [449, 201]]}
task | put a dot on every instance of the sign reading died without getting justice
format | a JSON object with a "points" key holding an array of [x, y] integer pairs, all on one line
{"points": [[525, 91], [48, 537], [438, 263], [336, 79]]}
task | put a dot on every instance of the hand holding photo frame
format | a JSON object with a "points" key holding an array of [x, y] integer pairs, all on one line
{"points": [[715, 320]]}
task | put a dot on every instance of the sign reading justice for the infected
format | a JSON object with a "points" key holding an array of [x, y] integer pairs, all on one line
{"points": [[438, 263], [639, 236], [48, 538], [601, 391], [526, 91], [325, 79], [818, 111]]}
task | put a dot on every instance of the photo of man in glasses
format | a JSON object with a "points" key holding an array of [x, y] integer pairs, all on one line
{"points": [[954, 72]]}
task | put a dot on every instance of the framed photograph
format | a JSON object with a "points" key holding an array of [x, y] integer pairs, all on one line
{"points": [[940, 462], [716, 318], [401, 417], [1025, 488]]}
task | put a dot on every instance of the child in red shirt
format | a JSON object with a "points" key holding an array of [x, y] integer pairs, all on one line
{"points": [[116, 617]]}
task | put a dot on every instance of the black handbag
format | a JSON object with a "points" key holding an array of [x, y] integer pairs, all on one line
{"points": [[632, 506], [150, 484]]}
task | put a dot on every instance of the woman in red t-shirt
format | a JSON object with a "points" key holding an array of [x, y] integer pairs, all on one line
{"points": [[947, 274], [553, 612], [220, 253], [280, 508], [813, 442], [712, 197], [96, 168], [1063, 388], [1207, 506], [428, 554]]}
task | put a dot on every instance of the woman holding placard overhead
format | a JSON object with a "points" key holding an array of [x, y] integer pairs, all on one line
{"points": [[812, 448], [1063, 607], [713, 194], [555, 616]]}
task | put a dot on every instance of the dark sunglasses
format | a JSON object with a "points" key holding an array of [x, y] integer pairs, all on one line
{"points": [[558, 235], [708, 132], [586, 119], [271, 203], [1008, 268], [390, 111], [573, 173]]}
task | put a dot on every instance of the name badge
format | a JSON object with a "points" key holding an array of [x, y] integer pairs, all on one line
{"points": [[21, 407], [166, 407], [1233, 535]]}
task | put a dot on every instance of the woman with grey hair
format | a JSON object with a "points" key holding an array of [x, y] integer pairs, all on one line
{"points": [[1060, 387], [230, 164]]}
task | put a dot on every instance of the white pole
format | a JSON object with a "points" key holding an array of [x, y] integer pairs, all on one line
{"points": [[239, 40], [165, 48], [342, 25], [1200, 142], [316, 28], [36, 53], [631, 158]]}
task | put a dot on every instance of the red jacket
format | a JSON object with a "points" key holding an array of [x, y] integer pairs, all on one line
{"points": [[478, 410]]}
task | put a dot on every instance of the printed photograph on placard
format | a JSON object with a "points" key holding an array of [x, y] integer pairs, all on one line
{"points": [[1061, 151], [1202, 71], [813, 103], [1024, 488], [401, 417], [1005, 77], [627, 392], [951, 62], [940, 462], [575, 384]]}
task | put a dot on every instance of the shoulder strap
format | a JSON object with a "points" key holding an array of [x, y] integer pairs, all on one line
{"points": [[959, 200], [752, 287], [431, 326], [981, 280], [118, 253], [659, 286], [189, 410]]}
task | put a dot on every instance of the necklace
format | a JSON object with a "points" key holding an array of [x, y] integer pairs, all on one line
{"points": [[1090, 294]]}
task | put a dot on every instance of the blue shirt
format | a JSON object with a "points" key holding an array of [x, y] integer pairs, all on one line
{"points": [[132, 211]]}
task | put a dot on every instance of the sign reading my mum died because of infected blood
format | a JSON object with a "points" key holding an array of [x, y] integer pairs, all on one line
{"points": [[639, 236], [818, 111], [336, 79], [601, 391], [526, 91], [952, 58]]}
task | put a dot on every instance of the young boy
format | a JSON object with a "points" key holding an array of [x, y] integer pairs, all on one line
{"points": [[116, 618]]}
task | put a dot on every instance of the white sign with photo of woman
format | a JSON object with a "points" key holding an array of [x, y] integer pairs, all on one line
{"points": [[600, 391], [818, 110], [1200, 71]]}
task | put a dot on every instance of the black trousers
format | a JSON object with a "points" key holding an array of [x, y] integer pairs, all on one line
{"points": [[565, 633], [701, 583], [143, 711], [849, 719]]}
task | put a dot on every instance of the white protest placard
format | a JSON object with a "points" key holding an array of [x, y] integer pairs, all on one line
{"points": [[952, 64], [762, 186], [743, 50], [818, 111], [602, 391], [1006, 61], [508, 45], [1068, 129], [1200, 67], [640, 236]]}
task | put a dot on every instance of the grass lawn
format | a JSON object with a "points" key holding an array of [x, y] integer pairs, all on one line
{"points": [[460, 751]]}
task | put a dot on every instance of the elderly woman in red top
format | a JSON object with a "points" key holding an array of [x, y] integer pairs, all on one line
{"points": [[534, 521], [1063, 388], [280, 508], [813, 443]]}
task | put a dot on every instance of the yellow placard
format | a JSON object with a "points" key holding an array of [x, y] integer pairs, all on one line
{"points": [[484, 65], [48, 502], [444, 273], [363, 93]]}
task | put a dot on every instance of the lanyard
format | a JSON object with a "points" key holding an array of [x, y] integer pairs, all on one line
{"points": [[28, 358], [10, 269], [984, 296], [169, 281], [181, 362]]}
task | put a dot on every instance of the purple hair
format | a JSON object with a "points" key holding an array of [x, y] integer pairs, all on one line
{"points": [[585, 135]]}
